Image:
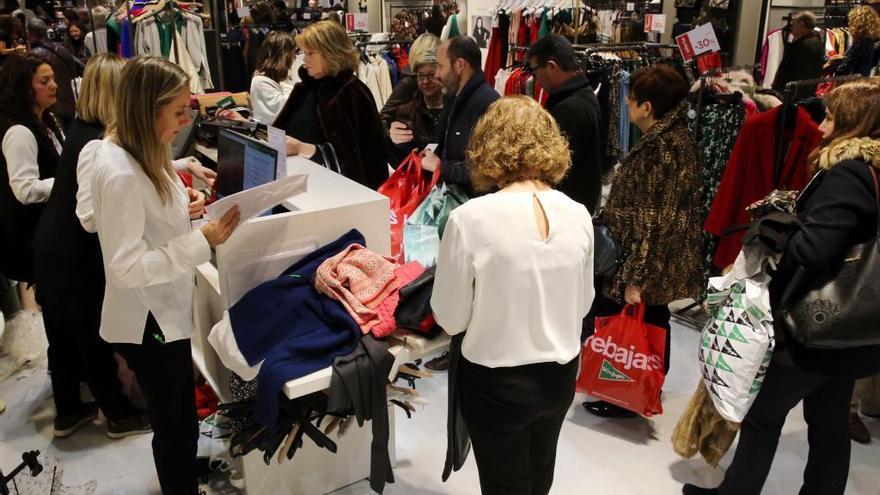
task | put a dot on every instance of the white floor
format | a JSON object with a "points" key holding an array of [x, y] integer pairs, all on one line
{"points": [[631, 456]]}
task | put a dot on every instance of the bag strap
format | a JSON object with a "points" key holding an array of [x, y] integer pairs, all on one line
{"points": [[876, 194], [636, 311]]}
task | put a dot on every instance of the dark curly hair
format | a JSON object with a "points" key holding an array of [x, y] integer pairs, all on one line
{"points": [[17, 97]]}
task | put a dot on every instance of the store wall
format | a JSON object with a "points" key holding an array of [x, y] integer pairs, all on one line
{"points": [[669, 11], [747, 33], [374, 9]]}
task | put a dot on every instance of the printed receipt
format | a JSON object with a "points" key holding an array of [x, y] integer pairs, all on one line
{"points": [[252, 202]]}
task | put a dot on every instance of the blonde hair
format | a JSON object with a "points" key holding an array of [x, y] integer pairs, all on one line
{"points": [[147, 84], [96, 103], [331, 40], [864, 23], [516, 139], [423, 51]]}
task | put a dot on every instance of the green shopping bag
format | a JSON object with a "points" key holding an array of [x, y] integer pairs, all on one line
{"points": [[424, 228]]}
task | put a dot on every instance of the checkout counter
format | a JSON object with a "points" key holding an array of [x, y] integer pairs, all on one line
{"points": [[259, 250]]}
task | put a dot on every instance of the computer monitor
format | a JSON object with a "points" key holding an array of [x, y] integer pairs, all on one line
{"points": [[243, 163]]}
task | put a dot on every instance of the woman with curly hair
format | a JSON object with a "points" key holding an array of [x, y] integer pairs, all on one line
{"points": [[515, 270], [32, 140], [864, 27]]}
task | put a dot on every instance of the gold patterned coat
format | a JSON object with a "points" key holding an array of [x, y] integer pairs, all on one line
{"points": [[653, 213]]}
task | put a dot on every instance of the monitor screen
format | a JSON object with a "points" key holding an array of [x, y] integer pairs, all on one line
{"points": [[243, 163]]}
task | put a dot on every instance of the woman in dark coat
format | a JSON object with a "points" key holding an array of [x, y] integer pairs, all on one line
{"points": [[654, 211], [331, 116], [838, 210]]}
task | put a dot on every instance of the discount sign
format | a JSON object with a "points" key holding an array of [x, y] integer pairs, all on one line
{"points": [[655, 23], [697, 41], [357, 22]]}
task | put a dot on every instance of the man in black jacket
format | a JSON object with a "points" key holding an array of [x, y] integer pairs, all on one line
{"points": [[574, 105], [459, 69], [802, 58]]}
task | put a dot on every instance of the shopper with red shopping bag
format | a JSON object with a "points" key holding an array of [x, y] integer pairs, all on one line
{"points": [[622, 363], [407, 187], [653, 213]]}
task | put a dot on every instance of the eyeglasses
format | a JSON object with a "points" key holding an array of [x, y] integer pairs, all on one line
{"points": [[531, 70], [426, 77]]}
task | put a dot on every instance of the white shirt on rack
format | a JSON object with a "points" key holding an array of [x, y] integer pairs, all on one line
{"points": [[149, 249], [520, 298], [20, 150]]}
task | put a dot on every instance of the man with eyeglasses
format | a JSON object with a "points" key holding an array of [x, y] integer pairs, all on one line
{"points": [[574, 105]]}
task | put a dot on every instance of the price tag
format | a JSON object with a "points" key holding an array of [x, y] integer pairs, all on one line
{"points": [[655, 23], [278, 140], [697, 41]]}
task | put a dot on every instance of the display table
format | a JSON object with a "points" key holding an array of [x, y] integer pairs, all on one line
{"points": [[259, 250]]}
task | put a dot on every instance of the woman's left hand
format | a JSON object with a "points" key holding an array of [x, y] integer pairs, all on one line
{"points": [[196, 203], [200, 171], [633, 295]]}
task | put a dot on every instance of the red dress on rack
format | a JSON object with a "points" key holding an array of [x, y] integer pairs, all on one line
{"points": [[749, 175], [493, 57]]}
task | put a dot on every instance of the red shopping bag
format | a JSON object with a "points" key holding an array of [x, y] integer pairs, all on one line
{"points": [[622, 363], [407, 187]]}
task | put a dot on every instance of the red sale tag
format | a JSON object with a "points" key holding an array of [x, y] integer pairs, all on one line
{"points": [[685, 47], [700, 40]]}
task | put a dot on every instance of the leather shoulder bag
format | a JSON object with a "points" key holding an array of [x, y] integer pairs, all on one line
{"points": [[607, 254], [844, 311]]}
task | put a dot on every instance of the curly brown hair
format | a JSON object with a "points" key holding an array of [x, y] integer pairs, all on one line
{"points": [[516, 139], [864, 23]]}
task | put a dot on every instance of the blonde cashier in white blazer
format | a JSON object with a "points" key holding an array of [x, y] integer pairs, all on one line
{"points": [[141, 211]]}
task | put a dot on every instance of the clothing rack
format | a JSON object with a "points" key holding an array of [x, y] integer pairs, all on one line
{"points": [[790, 94], [588, 50], [272, 26], [361, 44]]}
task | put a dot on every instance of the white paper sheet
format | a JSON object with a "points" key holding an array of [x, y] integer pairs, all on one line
{"points": [[254, 201], [278, 140]]}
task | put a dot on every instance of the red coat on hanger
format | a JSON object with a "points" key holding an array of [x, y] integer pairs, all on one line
{"points": [[749, 175]]}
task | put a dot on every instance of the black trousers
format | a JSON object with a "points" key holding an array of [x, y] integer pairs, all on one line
{"points": [[514, 416], [658, 315], [826, 411], [76, 351], [165, 375]]}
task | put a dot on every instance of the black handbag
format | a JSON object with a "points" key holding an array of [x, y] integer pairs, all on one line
{"points": [[607, 254], [844, 311]]}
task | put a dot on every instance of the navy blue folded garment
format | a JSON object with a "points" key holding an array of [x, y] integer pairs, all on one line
{"points": [[292, 328]]}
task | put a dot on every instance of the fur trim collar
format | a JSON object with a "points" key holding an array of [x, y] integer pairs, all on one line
{"points": [[865, 149]]}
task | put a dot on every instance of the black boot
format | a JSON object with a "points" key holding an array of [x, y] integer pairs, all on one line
{"points": [[689, 489], [607, 410]]}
